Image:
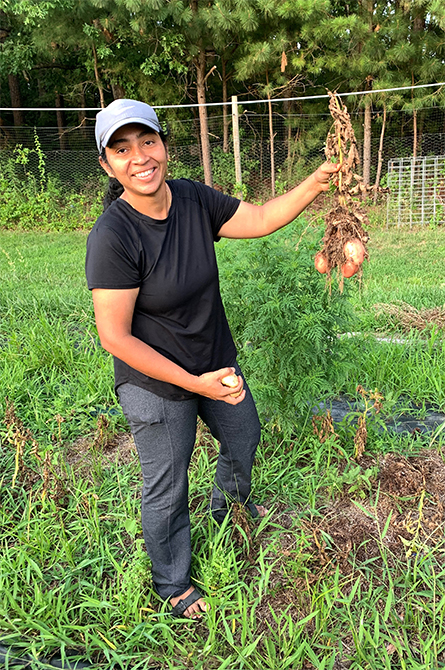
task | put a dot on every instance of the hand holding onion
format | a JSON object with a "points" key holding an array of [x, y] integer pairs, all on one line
{"points": [[232, 381]]}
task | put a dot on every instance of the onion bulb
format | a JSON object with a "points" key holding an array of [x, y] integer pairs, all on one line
{"points": [[349, 269], [354, 251], [321, 263], [232, 381]]}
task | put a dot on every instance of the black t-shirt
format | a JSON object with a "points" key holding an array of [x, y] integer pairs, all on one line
{"points": [[178, 311]]}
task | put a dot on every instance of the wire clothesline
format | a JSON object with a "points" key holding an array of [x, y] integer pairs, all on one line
{"points": [[218, 104]]}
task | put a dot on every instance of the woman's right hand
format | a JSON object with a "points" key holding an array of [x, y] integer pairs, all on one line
{"points": [[210, 385]]}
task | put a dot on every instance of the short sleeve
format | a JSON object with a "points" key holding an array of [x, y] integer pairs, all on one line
{"points": [[221, 207], [112, 260]]}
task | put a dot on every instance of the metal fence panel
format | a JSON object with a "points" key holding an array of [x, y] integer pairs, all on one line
{"points": [[416, 191]]}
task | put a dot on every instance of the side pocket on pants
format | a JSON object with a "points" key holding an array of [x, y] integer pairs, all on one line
{"points": [[141, 406]]}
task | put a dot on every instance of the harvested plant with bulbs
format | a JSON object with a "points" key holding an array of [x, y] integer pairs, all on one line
{"points": [[345, 239]]}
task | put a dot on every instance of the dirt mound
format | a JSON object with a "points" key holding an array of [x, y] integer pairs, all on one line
{"points": [[402, 515], [118, 448]]}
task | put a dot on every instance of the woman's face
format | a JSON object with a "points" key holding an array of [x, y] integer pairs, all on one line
{"points": [[137, 157]]}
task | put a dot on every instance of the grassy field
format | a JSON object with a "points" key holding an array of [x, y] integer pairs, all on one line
{"points": [[347, 571]]}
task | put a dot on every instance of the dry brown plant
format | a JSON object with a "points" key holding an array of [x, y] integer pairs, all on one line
{"points": [[323, 426], [346, 219], [409, 318], [241, 530]]}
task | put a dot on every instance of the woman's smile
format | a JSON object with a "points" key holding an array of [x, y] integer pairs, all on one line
{"points": [[146, 173]]}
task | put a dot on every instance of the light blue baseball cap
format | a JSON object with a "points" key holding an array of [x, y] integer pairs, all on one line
{"points": [[121, 112]]}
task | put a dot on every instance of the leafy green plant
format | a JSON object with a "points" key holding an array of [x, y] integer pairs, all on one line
{"points": [[178, 169], [216, 568], [285, 322], [32, 199], [223, 170], [136, 575], [354, 480]]}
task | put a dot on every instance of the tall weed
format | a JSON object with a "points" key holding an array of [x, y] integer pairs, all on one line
{"points": [[30, 199]]}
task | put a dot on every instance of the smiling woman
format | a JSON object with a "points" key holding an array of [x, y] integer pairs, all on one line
{"points": [[137, 157], [151, 266]]}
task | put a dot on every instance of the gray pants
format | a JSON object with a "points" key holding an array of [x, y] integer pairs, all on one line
{"points": [[164, 432]]}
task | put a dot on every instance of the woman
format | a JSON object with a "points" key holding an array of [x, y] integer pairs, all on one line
{"points": [[152, 270]]}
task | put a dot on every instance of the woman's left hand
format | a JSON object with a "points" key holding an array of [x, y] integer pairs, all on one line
{"points": [[210, 385]]}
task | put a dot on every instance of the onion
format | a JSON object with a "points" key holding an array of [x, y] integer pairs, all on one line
{"points": [[354, 251], [349, 269], [231, 381], [321, 263]]}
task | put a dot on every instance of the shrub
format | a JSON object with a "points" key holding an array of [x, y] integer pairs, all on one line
{"points": [[32, 200], [285, 323]]}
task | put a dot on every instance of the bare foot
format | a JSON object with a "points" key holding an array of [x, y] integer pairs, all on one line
{"points": [[262, 511], [195, 610]]}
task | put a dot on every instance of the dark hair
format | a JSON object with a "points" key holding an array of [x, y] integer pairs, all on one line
{"points": [[115, 188]]}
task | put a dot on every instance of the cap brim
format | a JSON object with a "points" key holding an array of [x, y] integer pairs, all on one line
{"points": [[125, 122]]}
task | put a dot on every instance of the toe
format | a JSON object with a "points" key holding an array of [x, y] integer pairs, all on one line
{"points": [[262, 511], [196, 610]]}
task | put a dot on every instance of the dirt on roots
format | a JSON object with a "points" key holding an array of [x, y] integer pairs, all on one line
{"points": [[345, 221]]}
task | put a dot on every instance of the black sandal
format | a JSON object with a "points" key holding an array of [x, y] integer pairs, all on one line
{"points": [[178, 610]]}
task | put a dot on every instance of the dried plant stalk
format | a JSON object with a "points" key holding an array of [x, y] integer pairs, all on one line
{"points": [[345, 221]]}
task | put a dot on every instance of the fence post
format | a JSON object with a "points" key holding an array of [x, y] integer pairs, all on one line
{"points": [[236, 145], [400, 193], [388, 201], [423, 188]]}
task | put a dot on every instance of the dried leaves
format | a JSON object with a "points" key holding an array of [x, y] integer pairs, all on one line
{"points": [[342, 145], [241, 530], [18, 436], [323, 426], [345, 221], [409, 318]]}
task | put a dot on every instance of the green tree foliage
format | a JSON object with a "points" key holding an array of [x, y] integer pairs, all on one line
{"points": [[87, 53]]}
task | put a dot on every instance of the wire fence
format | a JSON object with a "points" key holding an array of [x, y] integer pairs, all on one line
{"points": [[287, 142], [417, 191]]}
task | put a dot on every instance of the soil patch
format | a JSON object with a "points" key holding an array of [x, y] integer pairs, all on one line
{"points": [[401, 516], [119, 448]]}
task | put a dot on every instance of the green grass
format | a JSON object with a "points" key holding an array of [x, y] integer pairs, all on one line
{"points": [[285, 592], [407, 265]]}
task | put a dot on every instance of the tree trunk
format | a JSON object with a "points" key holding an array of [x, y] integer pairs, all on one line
{"points": [[98, 81], [82, 115], [225, 110], [271, 140], [380, 158], [288, 107], [272, 147], [118, 91], [200, 63], [415, 133], [61, 124], [367, 143], [16, 101]]}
